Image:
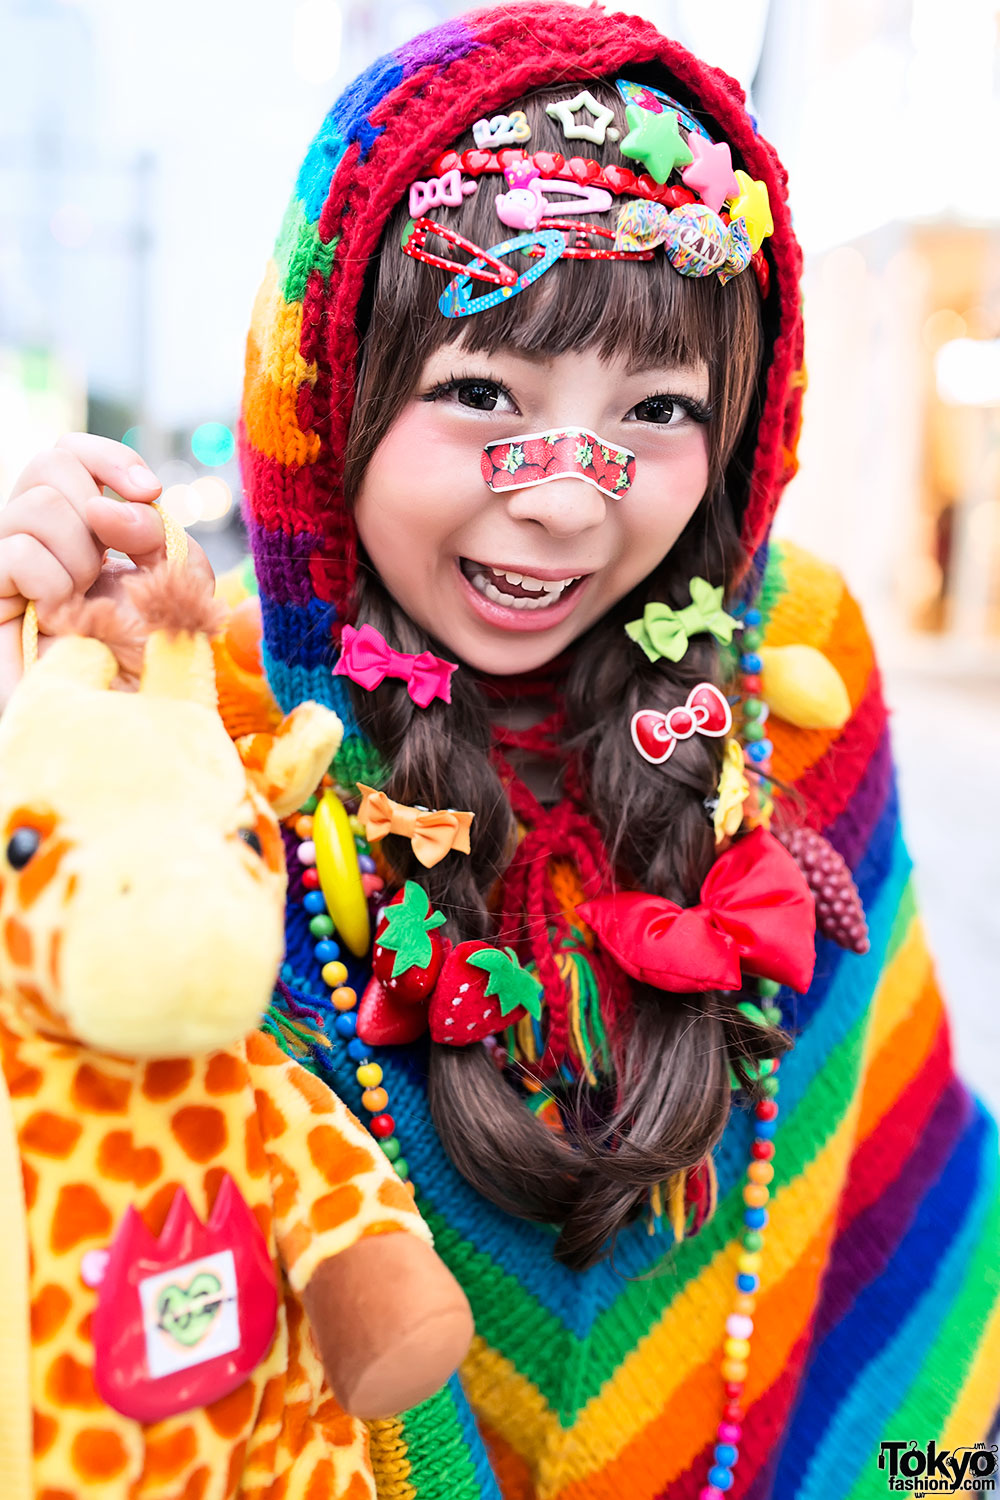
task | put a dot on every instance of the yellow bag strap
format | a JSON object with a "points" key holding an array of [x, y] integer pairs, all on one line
{"points": [[176, 539], [15, 1331]]}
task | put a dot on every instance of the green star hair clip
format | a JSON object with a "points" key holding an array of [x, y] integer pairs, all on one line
{"points": [[666, 632]]}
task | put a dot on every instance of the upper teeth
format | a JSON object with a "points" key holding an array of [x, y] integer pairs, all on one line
{"points": [[548, 589]]}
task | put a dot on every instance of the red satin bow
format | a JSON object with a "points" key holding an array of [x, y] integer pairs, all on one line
{"points": [[367, 659], [756, 913], [706, 711]]}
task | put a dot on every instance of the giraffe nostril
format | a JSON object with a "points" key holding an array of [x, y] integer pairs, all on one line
{"points": [[125, 889]]}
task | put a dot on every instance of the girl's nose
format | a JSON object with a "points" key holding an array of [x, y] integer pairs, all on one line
{"points": [[565, 506]]}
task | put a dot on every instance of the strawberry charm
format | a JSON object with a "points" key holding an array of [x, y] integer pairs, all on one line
{"points": [[407, 957], [481, 990]]}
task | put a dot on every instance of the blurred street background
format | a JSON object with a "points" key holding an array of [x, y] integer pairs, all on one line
{"points": [[146, 155]]}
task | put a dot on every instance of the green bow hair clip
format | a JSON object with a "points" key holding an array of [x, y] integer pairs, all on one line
{"points": [[663, 631]]}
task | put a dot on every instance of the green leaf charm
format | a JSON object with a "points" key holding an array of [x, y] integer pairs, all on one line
{"points": [[408, 925], [509, 982], [665, 633]]}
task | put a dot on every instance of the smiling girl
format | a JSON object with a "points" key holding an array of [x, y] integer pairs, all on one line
{"points": [[510, 470]]}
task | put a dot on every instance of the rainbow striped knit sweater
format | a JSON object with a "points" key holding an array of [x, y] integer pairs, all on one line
{"points": [[878, 1317]]}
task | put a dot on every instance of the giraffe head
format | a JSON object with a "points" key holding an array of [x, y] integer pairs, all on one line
{"points": [[142, 880]]}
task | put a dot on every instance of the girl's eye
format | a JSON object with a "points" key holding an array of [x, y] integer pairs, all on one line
{"points": [[480, 395], [669, 411]]}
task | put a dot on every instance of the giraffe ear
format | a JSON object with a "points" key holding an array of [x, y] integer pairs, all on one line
{"points": [[288, 765], [74, 658]]}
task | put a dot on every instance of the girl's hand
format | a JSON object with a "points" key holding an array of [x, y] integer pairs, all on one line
{"points": [[56, 529]]}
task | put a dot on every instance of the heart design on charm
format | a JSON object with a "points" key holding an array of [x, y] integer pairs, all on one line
{"points": [[447, 162], [583, 170], [186, 1313], [617, 178], [549, 163], [476, 161]]}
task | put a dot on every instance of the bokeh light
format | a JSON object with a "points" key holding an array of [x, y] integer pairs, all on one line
{"points": [[133, 438], [183, 503], [968, 372], [214, 496], [213, 444]]}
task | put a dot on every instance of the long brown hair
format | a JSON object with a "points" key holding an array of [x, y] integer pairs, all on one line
{"points": [[669, 1099]]}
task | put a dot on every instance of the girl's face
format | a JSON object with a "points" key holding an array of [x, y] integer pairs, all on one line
{"points": [[445, 545]]}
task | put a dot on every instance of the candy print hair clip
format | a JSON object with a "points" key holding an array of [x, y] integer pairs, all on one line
{"points": [[518, 463], [655, 734], [433, 834], [696, 241], [367, 659]]}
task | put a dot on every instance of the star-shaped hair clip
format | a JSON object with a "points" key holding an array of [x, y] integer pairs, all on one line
{"points": [[600, 128], [655, 140]]}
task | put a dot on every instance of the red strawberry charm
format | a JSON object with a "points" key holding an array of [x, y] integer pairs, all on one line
{"points": [[384, 1022], [406, 958], [481, 990]]}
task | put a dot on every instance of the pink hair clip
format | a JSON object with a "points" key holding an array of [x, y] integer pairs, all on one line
{"points": [[525, 204], [706, 711], [446, 191], [367, 659]]}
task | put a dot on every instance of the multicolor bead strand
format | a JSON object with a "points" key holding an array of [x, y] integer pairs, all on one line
{"points": [[342, 997], [739, 1324], [757, 748]]}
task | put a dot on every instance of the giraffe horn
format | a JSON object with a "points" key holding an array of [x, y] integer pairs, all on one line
{"points": [[179, 664]]}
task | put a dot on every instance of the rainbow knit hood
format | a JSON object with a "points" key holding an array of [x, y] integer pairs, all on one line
{"points": [[381, 134]]}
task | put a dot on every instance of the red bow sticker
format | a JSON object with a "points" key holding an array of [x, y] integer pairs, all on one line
{"points": [[756, 914], [182, 1320], [706, 711]]}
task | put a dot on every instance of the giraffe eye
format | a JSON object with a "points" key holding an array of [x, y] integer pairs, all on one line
{"points": [[21, 846], [249, 836]]}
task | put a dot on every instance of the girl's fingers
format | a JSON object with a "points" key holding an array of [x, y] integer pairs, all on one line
{"points": [[136, 530], [81, 464], [47, 515], [29, 570]]}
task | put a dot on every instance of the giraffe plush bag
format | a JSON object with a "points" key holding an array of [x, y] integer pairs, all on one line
{"points": [[213, 1272]]}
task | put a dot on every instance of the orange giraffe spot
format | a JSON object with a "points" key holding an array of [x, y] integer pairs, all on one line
{"points": [[49, 1134], [262, 1213], [80, 1215], [98, 1453], [298, 1427], [338, 1427], [18, 940], [50, 1494], [320, 1486], [156, 1210], [295, 1241], [334, 1155], [284, 1185], [30, 1183], [169, 1453], [100, 1093], [272, 1121], [55, 949], [357, 1489], [22, 1081], [231, 1414], [336, 1207], [235, 1473], [167, 1077], [86, 1328], [44, 1432], [48, 1311], [200, 1131], [384, 1226], [197, 1484], [272, 1401], [256, 1156], [265, 1052], [71, 1384], [121, 1160], [225, 1074], [316, 1093], [394, 1195], [38, 872]]}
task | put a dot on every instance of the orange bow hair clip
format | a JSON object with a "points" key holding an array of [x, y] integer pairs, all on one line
{"points": [[432, 834]]}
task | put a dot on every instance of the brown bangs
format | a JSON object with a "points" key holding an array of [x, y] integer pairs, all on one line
{"points": [[643, 311]]}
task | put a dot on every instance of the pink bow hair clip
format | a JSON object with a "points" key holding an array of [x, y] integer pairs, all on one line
{"points": [[655, 734], [367, 659]]}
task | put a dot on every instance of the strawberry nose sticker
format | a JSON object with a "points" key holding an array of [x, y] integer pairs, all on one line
{"points": [[536, 457], [181, 1320]]}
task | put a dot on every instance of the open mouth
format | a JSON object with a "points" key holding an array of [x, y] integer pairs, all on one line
{"points": [[513, 590]]}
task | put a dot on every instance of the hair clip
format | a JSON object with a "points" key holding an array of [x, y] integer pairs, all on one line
{"points": [[432, 834], [656, 101], [582, 250], [414, 237], [564, 110], [705, 711], [457, 302], [753, 207], [446, 191], [711, 172], [518, 463], [502, 130], [655, 140], [367, 659], [665, 632], [525, 204]]}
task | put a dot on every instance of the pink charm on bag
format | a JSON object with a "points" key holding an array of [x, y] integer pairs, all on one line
{"points": [[182, 1320], [517, 463], [706, 711]]}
